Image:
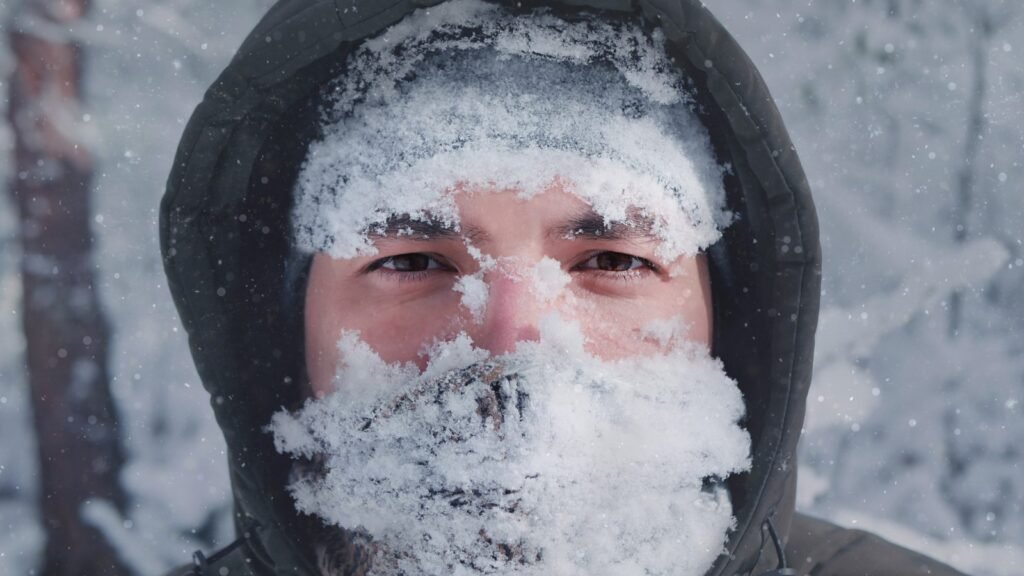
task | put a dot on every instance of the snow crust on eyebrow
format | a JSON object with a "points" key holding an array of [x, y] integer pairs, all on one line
{"points": [[466, 92]]}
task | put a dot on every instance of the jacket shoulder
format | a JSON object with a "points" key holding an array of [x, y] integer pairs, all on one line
{"points": [[823, 549]]}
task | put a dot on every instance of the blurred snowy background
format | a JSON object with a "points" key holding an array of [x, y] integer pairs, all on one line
{"points": [[909, 117]]}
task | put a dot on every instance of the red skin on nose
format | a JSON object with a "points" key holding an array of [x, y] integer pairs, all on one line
{"points": [[510, 316]]}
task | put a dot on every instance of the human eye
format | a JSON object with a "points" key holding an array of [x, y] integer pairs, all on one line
{"points": [[411, 266], [616, 264]]}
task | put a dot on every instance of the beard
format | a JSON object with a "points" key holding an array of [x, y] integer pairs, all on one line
{"points": [[541, 461]]}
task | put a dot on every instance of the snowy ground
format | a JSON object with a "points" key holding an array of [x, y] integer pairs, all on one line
{"points": [[911, 433]]}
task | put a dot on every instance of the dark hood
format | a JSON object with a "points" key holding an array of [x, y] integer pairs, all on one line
{"points": [[224, 234]]}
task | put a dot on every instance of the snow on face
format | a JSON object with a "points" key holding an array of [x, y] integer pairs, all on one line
{"points": [[549, 280], [474, 293], [465, 93], [542, 461]]}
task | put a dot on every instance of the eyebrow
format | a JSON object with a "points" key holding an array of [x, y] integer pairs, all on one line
{"points": [[589, 225], [424, 228], [586, 224]]}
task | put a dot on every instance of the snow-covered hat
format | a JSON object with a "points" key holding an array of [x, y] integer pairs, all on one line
{"points": [[469, 92]]}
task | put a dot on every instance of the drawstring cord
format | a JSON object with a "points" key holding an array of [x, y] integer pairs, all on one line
{"points": [[200, 564], [783, 568]]}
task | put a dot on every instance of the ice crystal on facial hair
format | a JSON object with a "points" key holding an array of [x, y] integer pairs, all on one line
{"points": [[467, 93], [542, 461]]}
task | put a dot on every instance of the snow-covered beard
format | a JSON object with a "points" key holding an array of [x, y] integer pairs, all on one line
{"points": [[542, 461]]}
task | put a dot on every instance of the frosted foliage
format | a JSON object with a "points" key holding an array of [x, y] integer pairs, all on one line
{"points": [[466, 95], [541, 461]]}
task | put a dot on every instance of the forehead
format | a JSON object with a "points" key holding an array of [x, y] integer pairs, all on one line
{"points": [[493, 207]]}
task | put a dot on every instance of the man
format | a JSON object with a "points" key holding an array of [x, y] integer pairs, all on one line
{"points": [[400, 278]]}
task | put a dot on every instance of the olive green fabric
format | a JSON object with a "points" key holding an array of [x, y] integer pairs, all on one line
{"points": [[224, 237]]}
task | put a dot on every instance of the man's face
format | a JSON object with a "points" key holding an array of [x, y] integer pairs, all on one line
{"points": [[512, 260]]}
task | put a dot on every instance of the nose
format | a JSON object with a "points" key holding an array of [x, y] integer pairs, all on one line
{"points": [[511, 314]]}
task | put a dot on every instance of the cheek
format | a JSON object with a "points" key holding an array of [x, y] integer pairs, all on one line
{"points": [[323, 327], [397, 329], [616, 328], [398, 333]]}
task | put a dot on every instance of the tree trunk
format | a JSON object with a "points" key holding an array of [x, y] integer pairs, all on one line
{"points": [[964, 201], [66, 334]]}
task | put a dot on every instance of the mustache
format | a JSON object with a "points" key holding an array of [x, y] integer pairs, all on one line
{"points": [[499, 394], [529, 463], [498, 397]]}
